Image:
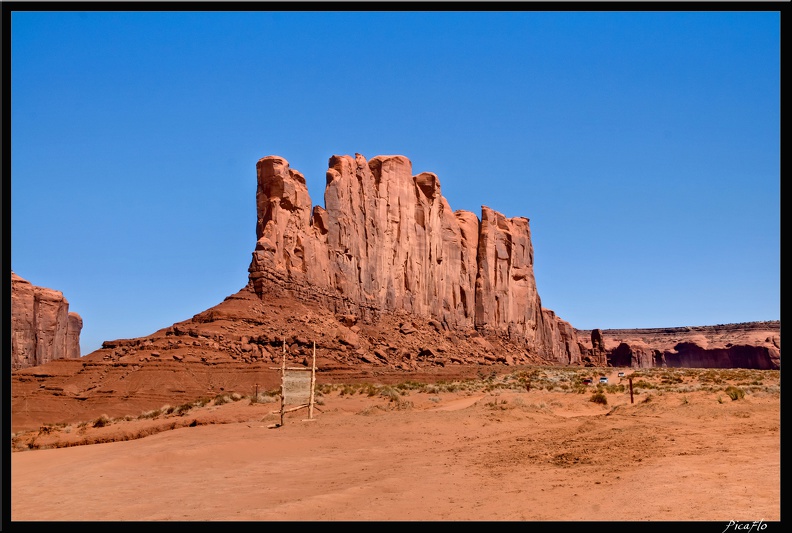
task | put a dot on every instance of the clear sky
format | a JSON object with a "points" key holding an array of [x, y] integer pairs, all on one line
{"points": [[643, 147]]}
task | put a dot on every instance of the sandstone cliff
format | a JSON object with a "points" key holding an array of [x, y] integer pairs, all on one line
{"points": [[745, 345], [388, 242], [42, 328]]}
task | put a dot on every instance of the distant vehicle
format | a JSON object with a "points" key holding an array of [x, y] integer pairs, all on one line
{"points": [[603, 379], [621, 374], [587, 381]]}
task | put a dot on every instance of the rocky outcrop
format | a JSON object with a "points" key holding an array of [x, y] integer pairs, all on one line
{"points": [[388, 241], [634, 356], [42, 328], [754, 345], [597, 355], [691, 355]]}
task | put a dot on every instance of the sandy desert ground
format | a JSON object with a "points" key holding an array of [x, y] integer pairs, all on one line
{"points": [[492, 451]]}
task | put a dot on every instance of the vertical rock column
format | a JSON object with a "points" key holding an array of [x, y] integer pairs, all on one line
{"points": [[287, 246], [506, 296]]}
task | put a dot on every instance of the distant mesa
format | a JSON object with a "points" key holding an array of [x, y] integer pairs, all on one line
{"points": [[42, 328]]}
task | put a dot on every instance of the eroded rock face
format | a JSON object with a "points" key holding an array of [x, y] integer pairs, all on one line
{"points": [[634, 356], [387, 241], [754, 345], [42, 328], [691, 355]]}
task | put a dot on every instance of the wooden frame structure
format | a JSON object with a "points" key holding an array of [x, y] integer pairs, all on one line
{"points": [[293, 388]]}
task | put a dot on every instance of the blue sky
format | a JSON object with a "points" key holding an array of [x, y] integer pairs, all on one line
{"points": [[643, 147]]}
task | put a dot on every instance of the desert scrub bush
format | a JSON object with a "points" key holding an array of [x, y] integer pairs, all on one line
{"points": [[401, 405], [710, 376], [368, 389], [325, 388], [49, 427], [735, 393], [183, 408], [390, 393], [670, 379], [101, 422], [487, 377], [150, 414], [692, 387], [495, 385], [452, 386], [202, 401], [599, 397], [220, 399], [410, 385], [347, 390], [264, 397], [497, 404]]}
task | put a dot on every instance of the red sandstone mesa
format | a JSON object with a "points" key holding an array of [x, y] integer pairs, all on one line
{"points": [[42, 328], [388, 241]]}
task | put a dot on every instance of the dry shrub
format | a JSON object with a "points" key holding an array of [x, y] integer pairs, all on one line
{"points": [[735, 393], [599, 398], [101, 422]]}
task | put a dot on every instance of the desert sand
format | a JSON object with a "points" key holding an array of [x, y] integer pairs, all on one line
{"points": [[680, 452]]}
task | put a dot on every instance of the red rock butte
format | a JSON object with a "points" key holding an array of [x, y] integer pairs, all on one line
{"points": [[42, 328], [388, 241]]}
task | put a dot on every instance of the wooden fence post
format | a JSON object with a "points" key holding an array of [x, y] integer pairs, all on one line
{"points": [[631, 391], [283, 378], [313, 383]]}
